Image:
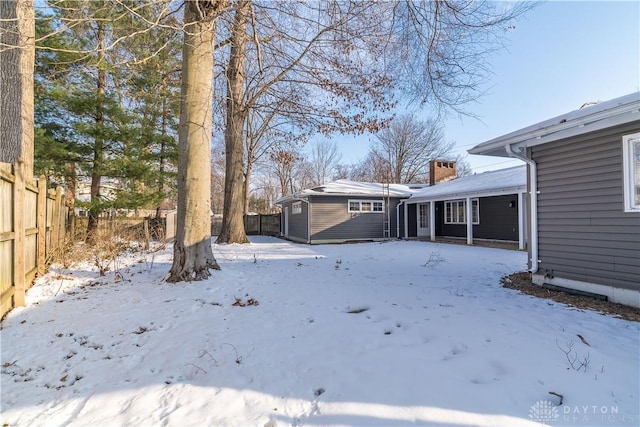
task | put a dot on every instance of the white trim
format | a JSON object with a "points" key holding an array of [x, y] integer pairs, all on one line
{"points": [[466, 209], [534, 261], [631, 180], [423, 228], [469, 214], [296, 208], [624, 296], [432, 221], [474, 194], [521, 221], [625, 109], [360, 202]]}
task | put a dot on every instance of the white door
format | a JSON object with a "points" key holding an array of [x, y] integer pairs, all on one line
{"points": [[423, 220], [286, 221]]}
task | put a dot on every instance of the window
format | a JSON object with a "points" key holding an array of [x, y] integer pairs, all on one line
{"points": [[296, 208], [455, 211], [365, 206], [631, 168]]}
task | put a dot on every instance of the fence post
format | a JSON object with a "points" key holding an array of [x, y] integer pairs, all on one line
{"points": [[42, 223], [146, 234], [55, 222], [19, 234], [62, 223]]}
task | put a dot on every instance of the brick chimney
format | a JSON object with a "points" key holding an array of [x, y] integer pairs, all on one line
{"points": [[441, 170]]}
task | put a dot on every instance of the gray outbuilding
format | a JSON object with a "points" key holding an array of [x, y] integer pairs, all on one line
{"points": [[342, 211]]}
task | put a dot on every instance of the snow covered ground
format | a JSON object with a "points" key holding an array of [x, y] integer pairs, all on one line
{"points": [[396, 333]]}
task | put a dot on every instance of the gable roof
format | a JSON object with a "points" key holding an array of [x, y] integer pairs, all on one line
{"points": [[504, 181], [618, 111], [343, 187]]}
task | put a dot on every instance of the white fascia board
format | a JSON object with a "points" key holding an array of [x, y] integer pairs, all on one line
{"points": [[289, 198], [602, 116], [473, 194], [369, 195]]}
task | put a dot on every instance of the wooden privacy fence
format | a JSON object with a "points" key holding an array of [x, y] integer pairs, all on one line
{"points": [[262, 224], [32, 226]]}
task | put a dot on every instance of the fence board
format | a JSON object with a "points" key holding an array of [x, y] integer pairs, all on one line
{"points": [[26, 219]]}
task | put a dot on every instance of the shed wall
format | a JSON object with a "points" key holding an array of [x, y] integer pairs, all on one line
{"points": [[331, 219], [298, 223]]}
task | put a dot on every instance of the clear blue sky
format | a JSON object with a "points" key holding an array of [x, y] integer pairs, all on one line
{"points": [[560, 55]]}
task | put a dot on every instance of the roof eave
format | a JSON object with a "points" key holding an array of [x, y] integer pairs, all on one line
{"points": [[544, 132], [462, 195]]}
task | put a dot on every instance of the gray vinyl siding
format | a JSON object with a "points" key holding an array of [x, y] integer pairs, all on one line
{"points": [[583, 232], [331, 220], [298, 223]]}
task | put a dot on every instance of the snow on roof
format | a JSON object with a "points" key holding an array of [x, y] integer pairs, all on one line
{"points": [[500, 181], [624, 109], [352, 188]]}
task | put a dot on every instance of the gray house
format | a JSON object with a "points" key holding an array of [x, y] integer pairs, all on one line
{"points": [[493, 200], [342, 211], [584, 197]]}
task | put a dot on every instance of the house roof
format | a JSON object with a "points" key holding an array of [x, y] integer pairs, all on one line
{"points": [[345, 187], [505, 181], [618, 111]]}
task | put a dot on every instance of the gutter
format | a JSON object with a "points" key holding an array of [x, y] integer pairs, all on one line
{"points": [[609, 113], [533, 209]]}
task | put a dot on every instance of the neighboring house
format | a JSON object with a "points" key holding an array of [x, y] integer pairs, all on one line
{"points": [[342, 211], [584, 190], [494, 200]]}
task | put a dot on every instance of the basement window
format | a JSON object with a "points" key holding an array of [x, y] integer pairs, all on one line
{"points": [[455, 211], [365, 206], [631, 168], [296, 208]]}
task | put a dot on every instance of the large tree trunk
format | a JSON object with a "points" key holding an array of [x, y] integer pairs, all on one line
{"points": [[17, 57], [192, 254], [246, 187], [232, 230]]}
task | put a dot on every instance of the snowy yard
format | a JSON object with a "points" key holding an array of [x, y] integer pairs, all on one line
{"points": [[396, 333]]}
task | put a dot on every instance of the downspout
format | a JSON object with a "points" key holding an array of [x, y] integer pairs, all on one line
{"points": [[533, 206]]}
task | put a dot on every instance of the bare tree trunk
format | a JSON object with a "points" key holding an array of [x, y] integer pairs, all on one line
{"points": [[245, 187], [192, 254], [232, 230], [17, 57]]}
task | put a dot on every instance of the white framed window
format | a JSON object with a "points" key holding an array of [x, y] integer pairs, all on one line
{"points": [[366, 206], [631, 170], [296, 208], [455, 211]]}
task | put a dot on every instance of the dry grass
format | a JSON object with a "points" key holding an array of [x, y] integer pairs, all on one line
{"points": [[522, 282]]}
